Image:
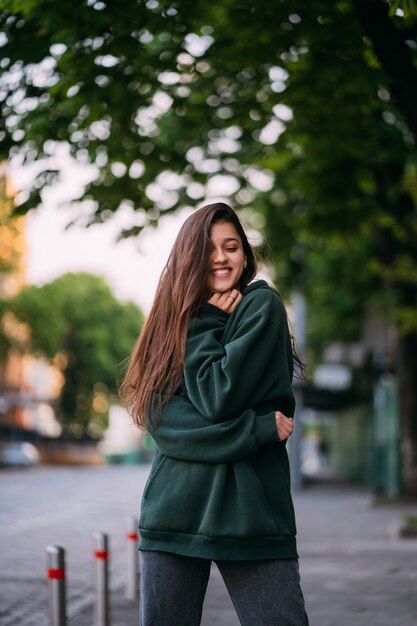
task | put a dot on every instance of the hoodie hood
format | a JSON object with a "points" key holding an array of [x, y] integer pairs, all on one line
{"points": [[256, 284]]}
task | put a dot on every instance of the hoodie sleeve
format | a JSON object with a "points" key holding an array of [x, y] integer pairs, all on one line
{"points": [[222, 378], [183, 433]]}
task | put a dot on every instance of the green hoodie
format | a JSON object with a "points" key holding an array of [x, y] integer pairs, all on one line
{"points": [[219, 487]]}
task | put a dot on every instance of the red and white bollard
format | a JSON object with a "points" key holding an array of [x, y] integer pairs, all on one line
{"points": [[101, 559], [132, 537], [55, 557]]}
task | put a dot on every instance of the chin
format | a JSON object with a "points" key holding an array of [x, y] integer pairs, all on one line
{"points": [[222, 287]]}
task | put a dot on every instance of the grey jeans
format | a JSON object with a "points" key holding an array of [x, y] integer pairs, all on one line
{"points": [[264, 592]]}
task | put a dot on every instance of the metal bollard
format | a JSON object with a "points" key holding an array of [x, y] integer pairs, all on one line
{"points": [[55, 558], [132, 537], [101, 557]]}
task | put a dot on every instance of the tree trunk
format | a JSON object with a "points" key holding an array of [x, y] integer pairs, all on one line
{"points": [[388, 248], [393, 54], [407, 395]]}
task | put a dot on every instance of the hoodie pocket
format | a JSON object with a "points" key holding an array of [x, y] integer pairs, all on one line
{"points": [[174, 496], [273, 472], [153, 476], [238, 507], [216, 500]]}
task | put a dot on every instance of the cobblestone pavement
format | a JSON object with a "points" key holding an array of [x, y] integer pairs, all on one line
{"points": [[355, 570], [60, 505]]}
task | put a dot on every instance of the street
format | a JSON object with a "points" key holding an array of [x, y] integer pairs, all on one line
{"points": [[61, 505], [355, 570]]}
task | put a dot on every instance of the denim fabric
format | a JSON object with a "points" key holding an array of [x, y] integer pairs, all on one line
{"points": [[264, 592]]}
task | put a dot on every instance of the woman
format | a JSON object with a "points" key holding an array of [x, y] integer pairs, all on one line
{"points": [[210, 378]]}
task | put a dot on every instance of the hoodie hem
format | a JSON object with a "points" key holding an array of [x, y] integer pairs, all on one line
{"points": [[227, 548]]}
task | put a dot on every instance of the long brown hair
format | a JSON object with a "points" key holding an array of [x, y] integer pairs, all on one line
{"points": [[156, 366]]}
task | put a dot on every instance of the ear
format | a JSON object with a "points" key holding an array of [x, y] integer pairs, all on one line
{"points": [[245, 264]]}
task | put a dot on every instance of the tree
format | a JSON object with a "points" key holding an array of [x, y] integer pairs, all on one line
{"points": [[307, 110], [352, 184], [76, 322]]}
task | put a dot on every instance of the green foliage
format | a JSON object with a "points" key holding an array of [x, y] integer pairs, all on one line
{"points": [[77, 321], [346, 186], [340, 287], [410, 520], [320, 97], [408, 7]]}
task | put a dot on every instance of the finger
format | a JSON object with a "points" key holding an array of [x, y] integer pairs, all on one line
{"points": [[214, 298], [284, 435], [218, 298], [224, 296], [226, 300], [288, 424], [286, 429], [284, 425], [237, 298], [230, 299], [223, 300], [281, 414], [285, 420]]}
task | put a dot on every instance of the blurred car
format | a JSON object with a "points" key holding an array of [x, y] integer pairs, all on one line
{"points": [[18, 454]]}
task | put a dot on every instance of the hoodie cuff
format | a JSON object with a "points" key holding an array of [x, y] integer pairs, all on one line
{"points": [[209, 310], [266, 429]]}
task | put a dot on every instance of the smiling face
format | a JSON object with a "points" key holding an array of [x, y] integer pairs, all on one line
{"points": [[227, 258]]}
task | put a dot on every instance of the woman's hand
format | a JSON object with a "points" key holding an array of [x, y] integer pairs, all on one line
{"points": [[227, 301], [285, 425]]}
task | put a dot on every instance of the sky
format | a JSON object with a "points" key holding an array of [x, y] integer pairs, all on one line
{"points": [[131, 267]]}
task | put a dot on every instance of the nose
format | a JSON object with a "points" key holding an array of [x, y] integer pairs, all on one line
{"points": [[218, 255]]}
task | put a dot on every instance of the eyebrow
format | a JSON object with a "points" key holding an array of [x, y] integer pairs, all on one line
{"points": [[227, 239]]}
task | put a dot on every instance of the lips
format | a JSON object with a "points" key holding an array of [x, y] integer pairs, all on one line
{"points": [[222, 273]]}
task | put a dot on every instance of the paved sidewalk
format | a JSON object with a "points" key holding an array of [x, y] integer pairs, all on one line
{"points": [[355, 570]]}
